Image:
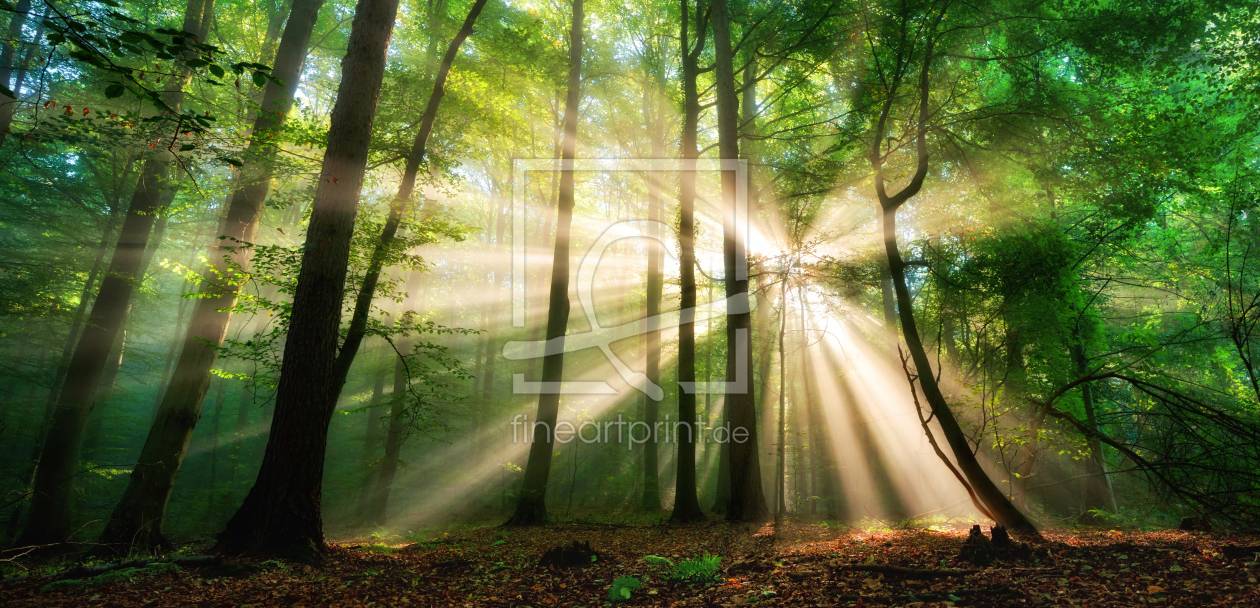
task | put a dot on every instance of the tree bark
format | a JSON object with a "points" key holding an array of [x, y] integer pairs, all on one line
{"points": [[137, 519], [282, 513], [59, 460], [531, 505], [747, 502]]}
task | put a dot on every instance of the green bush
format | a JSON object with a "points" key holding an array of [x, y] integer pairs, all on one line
{"points": [[623, 588]]}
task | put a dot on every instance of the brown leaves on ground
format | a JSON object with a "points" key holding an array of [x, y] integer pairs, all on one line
{"points": [[801, 565]]}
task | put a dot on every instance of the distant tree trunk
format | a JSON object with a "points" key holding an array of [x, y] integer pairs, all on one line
{"points": [[1098, 493], [377, 512], [531, 506], [985, 490], [282, 513], [137, 519], [652, 112], [8, 105], [748, 502], [220, 395], [59, 460], [781, 473], [493, 314], [686, 501], [372, 436]]}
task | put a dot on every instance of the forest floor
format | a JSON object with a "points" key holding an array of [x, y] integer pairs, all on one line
{"points": [[800, 565]]}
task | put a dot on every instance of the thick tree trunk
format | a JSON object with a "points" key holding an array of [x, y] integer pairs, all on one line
{"points": [[59, 460], [531, 506], [138, 517], [686, 501], [748, 502], [282, 513]]}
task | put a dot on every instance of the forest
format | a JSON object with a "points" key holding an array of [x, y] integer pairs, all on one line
{"points": [[541, 303]]}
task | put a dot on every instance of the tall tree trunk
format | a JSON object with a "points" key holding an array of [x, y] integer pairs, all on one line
{"points": [[59, 460], [686, 500], [780, 478], [531, 506], [985, 490], [748, 502], [282, 513], [363, 302], [138, 517], [652, 111]]}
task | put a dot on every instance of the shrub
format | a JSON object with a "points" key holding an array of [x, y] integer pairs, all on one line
{"points": [[622, 588]]}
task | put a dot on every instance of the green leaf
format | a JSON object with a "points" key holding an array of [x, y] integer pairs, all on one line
{"points": [[1175, 568], [217, 71], [6, 91], [187, 147], [260, 78], [114, 90]]}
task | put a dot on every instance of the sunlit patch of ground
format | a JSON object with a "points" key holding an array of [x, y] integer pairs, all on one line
{"points": [[797, 565]]}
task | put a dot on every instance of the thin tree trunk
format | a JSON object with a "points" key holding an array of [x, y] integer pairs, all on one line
{"points": [[282, 513], [781, 472], [1098, 493], [59, 460], [986, 491], [686, 501], [372, 437], [652, 110], [748, 502], [531, 506], [378, 511], [138, 517]]}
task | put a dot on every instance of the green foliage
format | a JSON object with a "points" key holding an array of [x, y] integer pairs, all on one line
{"points": [[623, 588], [703, 569]]}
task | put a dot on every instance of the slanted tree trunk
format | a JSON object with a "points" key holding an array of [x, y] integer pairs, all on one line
{"points": [[531, 506], [282, 514], [985, 490], [59, 460], [363, 302], [747, 502], [137, 519]]}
